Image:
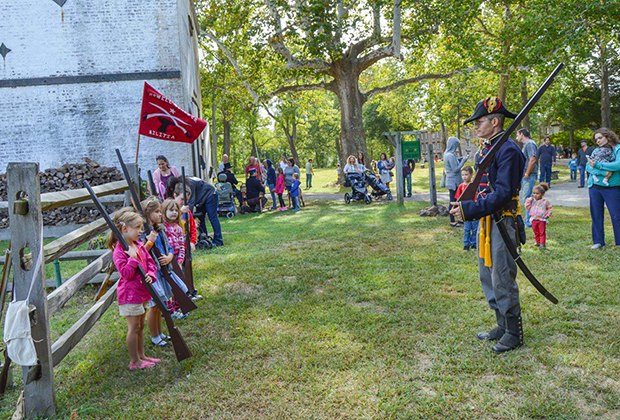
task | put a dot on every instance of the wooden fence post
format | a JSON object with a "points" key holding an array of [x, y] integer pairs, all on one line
{"points": [[431, 175], [400, 182], [26, 224]]}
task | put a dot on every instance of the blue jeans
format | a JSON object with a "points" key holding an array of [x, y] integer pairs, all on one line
{"points": [[527, 184], [308, 181], [272, 190], [407, 184], [209, 206], [573, 174], [545, 173], [599, 197], [582, 175], [470, 233], [295, 201]]}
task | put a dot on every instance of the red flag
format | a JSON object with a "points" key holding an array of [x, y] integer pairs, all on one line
{"points": [[162, 119]]}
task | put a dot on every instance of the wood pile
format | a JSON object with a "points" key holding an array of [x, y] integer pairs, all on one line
{"points": [[68, 177]]}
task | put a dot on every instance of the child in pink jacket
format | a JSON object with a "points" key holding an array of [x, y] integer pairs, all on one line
{"points": [[133, 296], [280, 188], [540, 211]]}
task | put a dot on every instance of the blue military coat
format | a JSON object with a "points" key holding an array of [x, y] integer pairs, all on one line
{"points": [[504, 175]]}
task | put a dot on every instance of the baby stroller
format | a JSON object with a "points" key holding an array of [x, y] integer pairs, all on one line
{"points": [[358, 189], [378, 187], [226, 197]]}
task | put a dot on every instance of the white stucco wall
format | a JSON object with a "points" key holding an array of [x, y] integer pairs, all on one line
{"points": [[61, 123]]}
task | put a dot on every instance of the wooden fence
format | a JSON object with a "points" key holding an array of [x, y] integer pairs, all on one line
{"points": [[25, 205]]}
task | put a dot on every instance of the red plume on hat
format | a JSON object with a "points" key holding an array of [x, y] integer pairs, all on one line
{"points": [[488, 106]]}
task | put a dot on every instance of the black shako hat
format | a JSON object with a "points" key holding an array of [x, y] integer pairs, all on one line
{"points": [[488, 106]]}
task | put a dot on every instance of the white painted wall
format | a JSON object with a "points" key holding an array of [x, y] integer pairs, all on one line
{"points": [[57, 124]]}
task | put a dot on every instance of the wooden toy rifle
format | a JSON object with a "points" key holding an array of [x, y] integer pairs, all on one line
{"points": [[180, 347], [185, 302], [154, 191], [187, 264]]}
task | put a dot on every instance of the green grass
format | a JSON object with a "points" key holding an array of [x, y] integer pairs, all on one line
{"points": [[362, 311]]}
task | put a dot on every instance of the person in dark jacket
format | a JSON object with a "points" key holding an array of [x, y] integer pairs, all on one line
{"points": [[546, 158], [271, 182], [253, 191], [203, 199], [498, 270], [582, 160]]}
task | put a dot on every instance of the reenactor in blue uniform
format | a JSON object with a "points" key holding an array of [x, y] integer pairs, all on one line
{"points": [[499, 204]]}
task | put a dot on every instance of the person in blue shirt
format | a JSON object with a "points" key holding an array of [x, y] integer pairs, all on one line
{"points": [[572, 165], [546, 158], [498, 271], [295, 192]]}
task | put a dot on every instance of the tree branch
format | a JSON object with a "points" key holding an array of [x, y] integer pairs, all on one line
{"points": [[299, 88], [232, 61], [427, 76], [277, 43], [374, 56], [485, 29]]}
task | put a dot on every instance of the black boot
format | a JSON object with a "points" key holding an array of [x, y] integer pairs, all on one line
{"points": [[513, 337], [497, 332]]}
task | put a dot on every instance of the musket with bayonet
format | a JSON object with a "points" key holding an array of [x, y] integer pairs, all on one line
{"points": [[184, 301], [181, 349], [470, 192]]}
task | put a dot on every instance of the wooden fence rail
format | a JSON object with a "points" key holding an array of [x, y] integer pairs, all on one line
{"points": [[25, 206]]}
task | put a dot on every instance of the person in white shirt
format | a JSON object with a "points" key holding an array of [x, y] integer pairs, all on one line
{"points": [[352, 166]]}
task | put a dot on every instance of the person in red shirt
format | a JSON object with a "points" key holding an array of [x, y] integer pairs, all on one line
{"points": [[470, 229], [256, 165]]}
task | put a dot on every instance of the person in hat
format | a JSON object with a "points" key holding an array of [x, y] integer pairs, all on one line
{"points": [[254, 191], [498, 271]]}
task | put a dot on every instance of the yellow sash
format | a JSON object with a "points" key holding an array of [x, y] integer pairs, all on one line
{"points": [[484, 233]]}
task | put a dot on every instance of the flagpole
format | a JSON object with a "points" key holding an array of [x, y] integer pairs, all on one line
{"points": [[138, 148]]}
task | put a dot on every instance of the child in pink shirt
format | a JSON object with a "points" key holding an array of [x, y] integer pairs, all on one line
{"points": [[540, 211], [133, 296], [280, 185]]}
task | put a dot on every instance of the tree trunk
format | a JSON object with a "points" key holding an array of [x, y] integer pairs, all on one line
{"points": [[524, 99], [214, 161], [291, 136], [571, 138], [226, 145], [605, 100], [351, 100], [292, 139], [503, 86]]}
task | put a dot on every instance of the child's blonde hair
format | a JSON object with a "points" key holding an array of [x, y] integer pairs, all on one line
{"points": [[124, 217], [541, 188], [296, 175], [168, 204]]}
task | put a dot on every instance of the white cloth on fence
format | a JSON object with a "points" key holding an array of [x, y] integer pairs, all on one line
{"points": [[17, 329]]}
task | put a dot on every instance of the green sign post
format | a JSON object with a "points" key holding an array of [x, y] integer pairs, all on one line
{"points": [[411, 150]]}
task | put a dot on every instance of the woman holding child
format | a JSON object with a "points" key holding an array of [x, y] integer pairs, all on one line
{"points": [[604, 185]]}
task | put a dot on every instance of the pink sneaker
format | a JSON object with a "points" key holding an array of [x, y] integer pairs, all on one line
{"points": [[282, 209], [153, 360]]}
